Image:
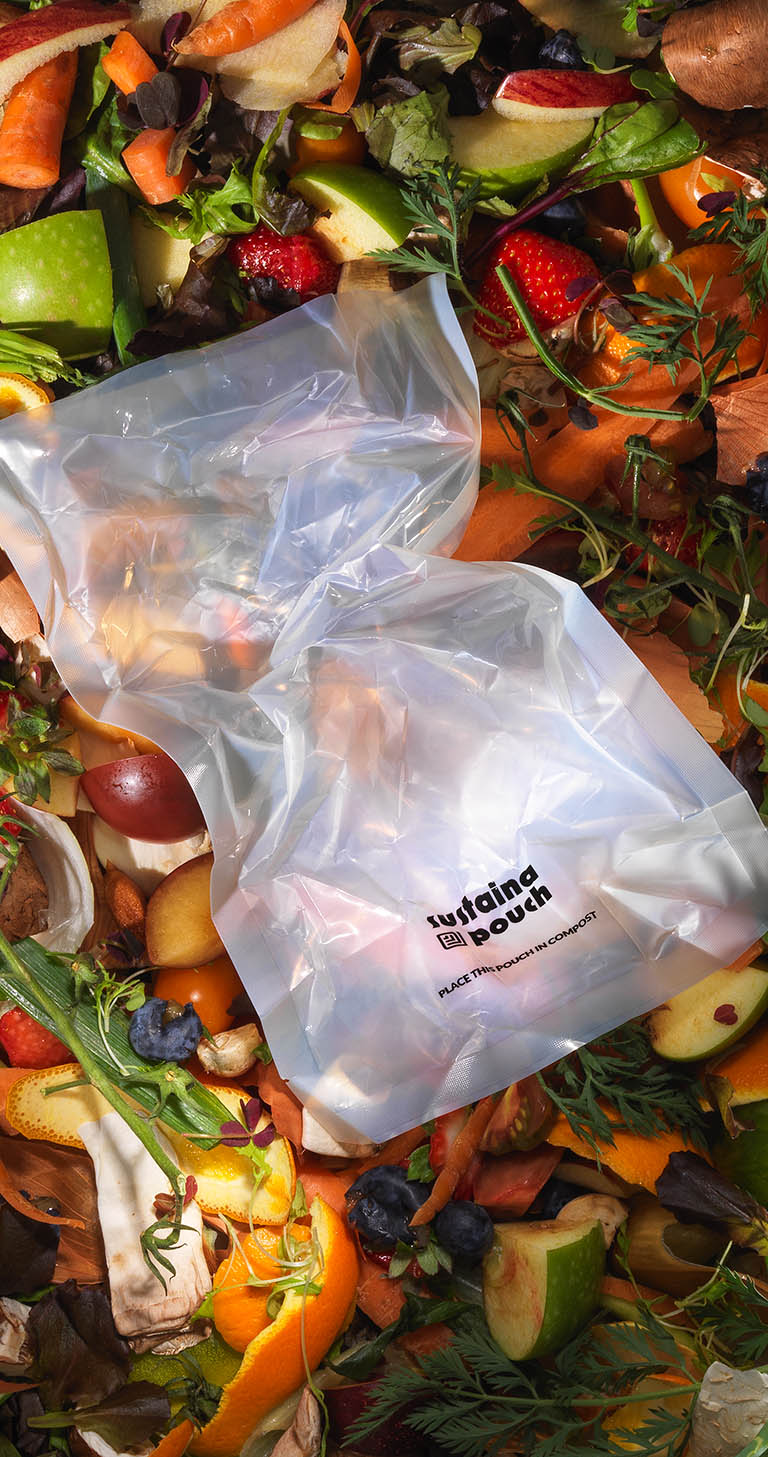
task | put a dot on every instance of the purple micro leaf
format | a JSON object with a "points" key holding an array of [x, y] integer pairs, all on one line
{"points": [[263, 1139], [715, 202], [617, 314], [233, 1135], [251, 1112], [195, 89], [578, 286], [174, 30]]}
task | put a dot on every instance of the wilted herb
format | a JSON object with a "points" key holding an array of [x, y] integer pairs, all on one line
{"points": [[620, 1076], [741, 220]]}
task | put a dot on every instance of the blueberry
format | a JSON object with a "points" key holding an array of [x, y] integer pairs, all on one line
{"points": [[561, 53], [564, 219], [465, 1230], [164, 1032], [756, 487], [380, 1205], [554, 1197]]}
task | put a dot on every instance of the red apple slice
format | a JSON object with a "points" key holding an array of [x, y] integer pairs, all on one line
{"points": [[560, 95], [39, 35]]}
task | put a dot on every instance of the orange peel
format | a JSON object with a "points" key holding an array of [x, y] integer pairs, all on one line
{"points": [[278, 1360], [240, 1310], [635, 1158]]}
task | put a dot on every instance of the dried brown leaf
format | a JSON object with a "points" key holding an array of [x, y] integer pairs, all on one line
{"points": [[44, 1169], [18, 614], [741, 412], [104, 923], [669, 665]]}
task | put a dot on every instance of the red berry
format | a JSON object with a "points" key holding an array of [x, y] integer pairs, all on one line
{"points": [[27, 1044], [543, 268], [298, 262]]}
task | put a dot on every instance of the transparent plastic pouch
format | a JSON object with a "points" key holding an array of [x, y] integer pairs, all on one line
{"points": [[487, 837], [458, 827]]}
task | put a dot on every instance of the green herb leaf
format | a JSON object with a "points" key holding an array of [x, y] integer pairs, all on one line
{"points": [[419, 1167], [91, 87], [411, 136], [442, 45], [212, 207]]}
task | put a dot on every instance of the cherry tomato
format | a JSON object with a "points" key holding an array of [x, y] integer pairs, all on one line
{"points": [[211, 989], [145, 798], [683, 186], [348, 148]]}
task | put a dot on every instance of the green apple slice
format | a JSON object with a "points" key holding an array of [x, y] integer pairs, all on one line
{"points": [[598, 21], [541, 1284], [56, 282], [710, 1016], [509, 156], [745, 1158], [361, 211]]}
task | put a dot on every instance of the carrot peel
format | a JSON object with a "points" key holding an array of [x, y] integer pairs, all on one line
{"points": [[460, 1156]]}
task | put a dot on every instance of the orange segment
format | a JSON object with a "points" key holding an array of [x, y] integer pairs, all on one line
{"points": [[635, 1158], [274, 1363], [18, 393], [239, 1309]]}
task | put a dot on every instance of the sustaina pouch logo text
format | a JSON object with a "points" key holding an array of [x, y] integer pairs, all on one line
{"points": [[493, 901]]}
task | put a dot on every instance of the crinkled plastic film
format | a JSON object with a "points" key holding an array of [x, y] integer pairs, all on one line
{"points": [[458, 828]]}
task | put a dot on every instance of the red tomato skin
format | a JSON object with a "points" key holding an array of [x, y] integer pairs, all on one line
{"points": [[211, 989], [145, 798]]}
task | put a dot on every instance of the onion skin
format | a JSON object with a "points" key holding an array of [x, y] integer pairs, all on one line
{"points": [[718, 53]]}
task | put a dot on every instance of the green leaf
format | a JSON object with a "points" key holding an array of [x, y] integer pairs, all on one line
{"points": [[419, 1167], [655, 83], [320, 126], [211, 208], [442, 45], [400, 1261], [411, 136], [100, 149], [9, 764], [298, 1204], [62, 761], [754, 712], [25, 785], [417, 1313], [91, 87], [632, 140]]}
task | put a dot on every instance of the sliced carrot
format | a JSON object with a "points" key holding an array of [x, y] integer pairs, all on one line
{"points": [[427, 1340], [347, 148], [344, 95], [241, 24], [284, 1106], [460, 1155], [127, 63], [724, 697], [617, 1288], [573, 463], [33, 125], [330, 1184], [380, 1298], [146, 158]]}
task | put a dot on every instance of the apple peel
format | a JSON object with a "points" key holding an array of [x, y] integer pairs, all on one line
{"points": [[40, 35]]}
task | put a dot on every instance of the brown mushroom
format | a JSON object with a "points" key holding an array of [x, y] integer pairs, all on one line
{"points": [[718, 52]]}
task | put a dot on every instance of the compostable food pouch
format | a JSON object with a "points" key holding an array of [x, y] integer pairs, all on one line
{"points": [[458, 827]]}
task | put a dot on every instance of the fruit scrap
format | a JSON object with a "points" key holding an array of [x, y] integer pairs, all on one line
{"points": [[39, 35], [297, 264], [555, 277]]}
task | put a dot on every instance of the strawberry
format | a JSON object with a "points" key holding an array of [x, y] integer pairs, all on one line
{"points": [[297, 263], [27, 1044], [543, 268]]}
